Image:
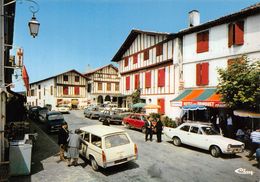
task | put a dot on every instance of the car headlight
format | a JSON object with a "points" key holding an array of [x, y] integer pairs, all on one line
{"points": [[243, 146], [229, 146]]}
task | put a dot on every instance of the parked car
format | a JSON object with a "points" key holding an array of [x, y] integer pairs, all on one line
{"points": [[113, 116], [42, 114], [92, 112], [106, 146], [135, 121], [33, 113], [202, 135], [63, 108], [54, 120]]}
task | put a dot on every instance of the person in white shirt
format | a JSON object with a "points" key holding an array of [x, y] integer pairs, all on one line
{"points": [[255, 137], [229, 126]]}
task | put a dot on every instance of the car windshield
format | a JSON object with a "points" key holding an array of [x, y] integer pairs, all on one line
{"points": [[55, 117], [209, 130], [116, 140]]}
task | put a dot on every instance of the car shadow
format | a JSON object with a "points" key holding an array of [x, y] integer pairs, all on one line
{"points": [[223, 156]]}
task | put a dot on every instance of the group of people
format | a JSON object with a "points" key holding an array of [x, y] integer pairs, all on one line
{"points": [[151, 128], [69, 142]]}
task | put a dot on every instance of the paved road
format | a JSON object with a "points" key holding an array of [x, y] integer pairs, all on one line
{"points": [[162, 162]]}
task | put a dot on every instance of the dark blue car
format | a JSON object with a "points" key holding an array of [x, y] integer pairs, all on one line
{"points": [[54, 121]]}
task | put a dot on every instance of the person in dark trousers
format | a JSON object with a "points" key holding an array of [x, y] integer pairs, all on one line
{"points": [[62, 139], [159, 128], [149, 129]]}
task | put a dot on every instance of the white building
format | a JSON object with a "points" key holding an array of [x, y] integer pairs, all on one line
{"points": [[65, 88], [146, 62]]}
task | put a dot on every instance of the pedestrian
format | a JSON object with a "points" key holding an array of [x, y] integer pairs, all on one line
{"points": [[106, 122], [255, 143], [62, 139], [218, 123], [149, 128], [159, 128], [240, 135], [73, 148], [229, 126]]}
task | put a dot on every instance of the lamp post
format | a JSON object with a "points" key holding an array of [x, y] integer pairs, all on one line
{"points": [[34, 28]]}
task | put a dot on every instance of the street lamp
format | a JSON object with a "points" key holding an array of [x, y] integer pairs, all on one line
{"points": [[34, 26]]}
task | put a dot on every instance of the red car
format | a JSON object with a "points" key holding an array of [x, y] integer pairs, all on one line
{"points": [[135, 121]]}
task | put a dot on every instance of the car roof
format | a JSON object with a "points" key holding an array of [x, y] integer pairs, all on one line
{"points": [[198, 124], [101, 130], [53, 112]]}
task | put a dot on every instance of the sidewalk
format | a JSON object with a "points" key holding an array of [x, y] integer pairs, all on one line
{"points": [[46, 165]]}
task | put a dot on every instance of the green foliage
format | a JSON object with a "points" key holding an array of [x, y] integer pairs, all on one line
{"points": [[168, 122], [239, 84], [155, 115], [136, 96]]}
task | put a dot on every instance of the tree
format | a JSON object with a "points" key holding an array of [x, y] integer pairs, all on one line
{"points": [[239, 84], [136, 96]]}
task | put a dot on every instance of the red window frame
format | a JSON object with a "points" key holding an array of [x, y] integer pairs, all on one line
{"points": [[127, 82], [161, 77], [126, 61], [65, 78], [76, 90], [148, 79], [137, 81], [159, 49], [76, 78], [161, 102], [236, 33], [146, 54], [202, 74], [135, 58], [203, 41], [65, 90]]}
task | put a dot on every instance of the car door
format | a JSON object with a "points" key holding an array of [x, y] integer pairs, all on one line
{"points": [[85, 143], [195, 137], [183, 134]]}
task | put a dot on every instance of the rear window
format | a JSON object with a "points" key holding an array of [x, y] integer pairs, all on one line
{"points": [[55, 117], [116, 140]]}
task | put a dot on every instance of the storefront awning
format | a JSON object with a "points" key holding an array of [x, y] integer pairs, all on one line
{"points": [[247, 114], [205, 97], [193, 107]]}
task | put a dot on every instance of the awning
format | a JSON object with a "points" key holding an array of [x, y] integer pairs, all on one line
{"points": [[205, 97], [193, 107], [247, 114]]}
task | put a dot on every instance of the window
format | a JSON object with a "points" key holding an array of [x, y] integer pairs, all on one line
{"points": [[65, 90], [39, 86], [51, 88], [76, 78], [194, 129], [126, 61], [127, 83], [89, 87], [44, 91], [238, 60], [203, 42], [236, 33], [159, 49], [86, 137], [65, 78], [95, 140], [135, 58], [137, 81], [108, 86], [148, 79], [161, 103], [146, 54], [161, 77], [99, 86], [116, 140], [32, 92], [202, 74], [117, 86], [40, 95], [185, 128], [76, 90]]}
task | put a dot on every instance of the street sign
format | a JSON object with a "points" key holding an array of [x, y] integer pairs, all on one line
{"points": [[19, 57]]}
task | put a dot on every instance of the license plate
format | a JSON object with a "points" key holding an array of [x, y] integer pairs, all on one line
{"points": [[121, 160]]}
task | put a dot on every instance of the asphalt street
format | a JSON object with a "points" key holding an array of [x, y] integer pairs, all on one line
{"points": [[162, 162]]}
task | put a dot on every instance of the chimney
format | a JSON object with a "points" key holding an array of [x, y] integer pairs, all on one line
{"points": [[194, 18]]}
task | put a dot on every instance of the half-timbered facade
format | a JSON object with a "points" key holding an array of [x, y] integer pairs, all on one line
{"points": [[65, 88], [103, 85], [146, 61]]}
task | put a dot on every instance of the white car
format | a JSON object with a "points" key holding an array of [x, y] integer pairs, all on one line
{"points": [[106, 146], [63, 108], [202, 135]]}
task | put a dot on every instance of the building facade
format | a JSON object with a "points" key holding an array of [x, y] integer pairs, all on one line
{"points": [[103, 85], [66, 88], [146, 62]]}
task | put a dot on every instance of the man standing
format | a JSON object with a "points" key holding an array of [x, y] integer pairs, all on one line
{"points": [[229, 126], [149, 129], [255, 137], [159, 128], [62, 139], [73, 148]]}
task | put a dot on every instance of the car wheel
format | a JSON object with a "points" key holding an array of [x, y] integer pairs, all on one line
{"points": [[91, 117], [143, 129], [94, 164], [215, 151], [108, 120], [176, 141]]}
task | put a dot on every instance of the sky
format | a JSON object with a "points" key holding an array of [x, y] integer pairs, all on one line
{"points": [[76, 33]]}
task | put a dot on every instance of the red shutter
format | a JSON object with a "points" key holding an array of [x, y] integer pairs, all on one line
{"points": [[205, 73], [127, 81], [76, 90], [159, 50], [146, 54], [230, 34], [126, 61], [65, 90], [137, 81], [239, 33], [161, 77], [203, 42], [135, 58], [148, 79], [161, 103], [198, 74]]}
